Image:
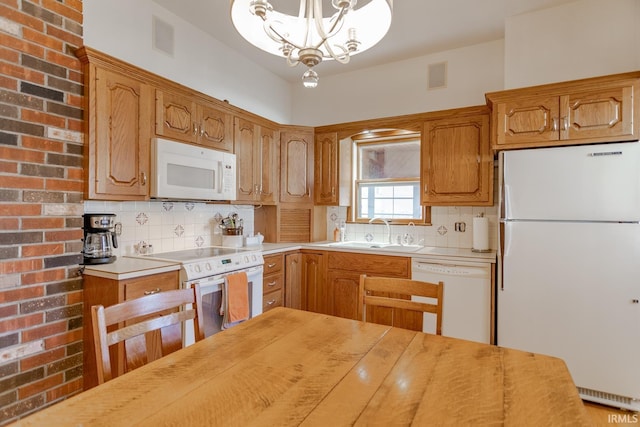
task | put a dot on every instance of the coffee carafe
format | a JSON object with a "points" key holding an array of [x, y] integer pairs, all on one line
{"points": [[99, 238]]}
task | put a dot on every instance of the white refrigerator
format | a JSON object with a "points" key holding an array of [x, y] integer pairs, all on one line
{"points": [[569, 263]]}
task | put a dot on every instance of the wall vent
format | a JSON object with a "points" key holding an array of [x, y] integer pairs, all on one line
{"points": [[162, 36], [437, 76]]}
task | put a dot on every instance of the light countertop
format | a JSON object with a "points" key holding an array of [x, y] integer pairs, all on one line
{"points": [[128, 268], [427, 252]]}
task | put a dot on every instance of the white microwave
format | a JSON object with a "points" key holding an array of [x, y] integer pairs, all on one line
{"points": [[188, 172]]}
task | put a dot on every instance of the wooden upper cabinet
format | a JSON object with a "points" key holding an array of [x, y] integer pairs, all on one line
{"points": [[326, 184], [257, 162], [119, 134], [215, 128], [184, 118], [457, 162], [585, 111], [296, 163]]}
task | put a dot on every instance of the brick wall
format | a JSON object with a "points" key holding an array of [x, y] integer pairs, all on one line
{"points": [[40, 204]]}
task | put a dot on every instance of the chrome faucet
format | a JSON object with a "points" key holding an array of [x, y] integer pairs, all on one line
{"points": [[385, 223]]}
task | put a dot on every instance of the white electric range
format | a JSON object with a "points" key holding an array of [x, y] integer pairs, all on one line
{"points": [[208, 267]]}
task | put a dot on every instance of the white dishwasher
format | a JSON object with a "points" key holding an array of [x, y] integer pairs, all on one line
{"points": [[467, 297]]}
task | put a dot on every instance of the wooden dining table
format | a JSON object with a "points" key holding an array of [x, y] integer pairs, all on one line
{"points": [[292, 367]]}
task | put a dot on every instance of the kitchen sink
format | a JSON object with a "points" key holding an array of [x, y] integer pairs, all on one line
{"points": [[376, 246]]}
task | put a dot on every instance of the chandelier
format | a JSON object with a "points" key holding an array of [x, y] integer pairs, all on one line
{"points": [[309, 37]]}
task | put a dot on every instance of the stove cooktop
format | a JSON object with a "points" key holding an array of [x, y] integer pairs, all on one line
{"points": [[198, 263], [197, 254]]}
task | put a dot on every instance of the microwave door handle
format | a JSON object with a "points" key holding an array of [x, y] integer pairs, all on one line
{"points": [[220, 177]]}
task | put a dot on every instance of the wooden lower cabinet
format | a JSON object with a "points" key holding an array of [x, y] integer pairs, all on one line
{"points": [[273, 282], [329, 282], [312, 275], [107, 292], [343, 279], [292, 280], [342, 287]]}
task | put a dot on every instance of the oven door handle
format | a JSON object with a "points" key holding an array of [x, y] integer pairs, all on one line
{"points": [[218, 280]]}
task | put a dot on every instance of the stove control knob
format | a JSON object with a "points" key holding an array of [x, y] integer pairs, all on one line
{"points": [[207, 266], [246, 259], [197, 268], [253, 258]]}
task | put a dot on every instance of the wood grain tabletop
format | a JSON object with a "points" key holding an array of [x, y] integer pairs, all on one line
{"points": [[291, 367]]}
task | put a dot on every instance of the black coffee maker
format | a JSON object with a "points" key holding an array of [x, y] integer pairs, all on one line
{"points": [[99, 238]]}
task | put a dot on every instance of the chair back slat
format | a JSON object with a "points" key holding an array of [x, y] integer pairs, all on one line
{"points": [[140, 324], [397, 293]]}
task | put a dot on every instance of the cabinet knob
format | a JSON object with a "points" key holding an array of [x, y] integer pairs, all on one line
{"points": [[272, 283], [143, 178]]}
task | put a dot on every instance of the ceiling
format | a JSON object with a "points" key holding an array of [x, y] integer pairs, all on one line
{"points": [[419, 27]]}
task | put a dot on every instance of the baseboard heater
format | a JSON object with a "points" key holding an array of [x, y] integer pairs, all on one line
{"points": [[609, 399]]}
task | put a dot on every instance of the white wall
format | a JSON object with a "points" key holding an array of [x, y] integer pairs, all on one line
{"points": [[585, 38], [123, 29], [401, 87]]}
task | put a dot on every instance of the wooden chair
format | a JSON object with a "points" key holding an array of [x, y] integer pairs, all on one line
{"points": [[388, 292], [140, 322]]}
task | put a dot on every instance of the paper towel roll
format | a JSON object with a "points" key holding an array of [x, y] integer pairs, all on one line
{"points": [[480, 234]]}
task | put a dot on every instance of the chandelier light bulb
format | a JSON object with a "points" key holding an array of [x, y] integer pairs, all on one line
{"points": [[310, 79], [311, 36]]}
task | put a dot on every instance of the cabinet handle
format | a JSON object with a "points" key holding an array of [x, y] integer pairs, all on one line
{"points": [[271, 265], [425, 188], [564, 124], [333, 191], [271, 302], [272, 283], [195, 129], [152, 291], [555, 124], [201, 130], [143, 178]]}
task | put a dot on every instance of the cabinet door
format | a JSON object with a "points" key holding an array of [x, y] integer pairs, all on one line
{"points": [[599, 113], [118, 157], [215, 128], [314, 297], [343, 294], [293, 280], [268, 165], [176, 116], [457, 163], [245, 143], [296, 162], [527, 120], [326, 169]]}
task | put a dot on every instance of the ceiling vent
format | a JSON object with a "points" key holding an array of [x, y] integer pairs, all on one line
{"points": [[437, 76], [162, 36]]}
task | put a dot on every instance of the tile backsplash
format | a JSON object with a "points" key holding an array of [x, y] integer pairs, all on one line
{"points": [[169, 226], [441, 233]]}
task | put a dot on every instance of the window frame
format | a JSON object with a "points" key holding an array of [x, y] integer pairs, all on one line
{"points": [[377, 138]]}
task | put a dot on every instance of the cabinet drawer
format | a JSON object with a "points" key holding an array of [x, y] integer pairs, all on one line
{"points": [[272, 282], [271, 300], [383, 265], [148, 285], [273, 264]]}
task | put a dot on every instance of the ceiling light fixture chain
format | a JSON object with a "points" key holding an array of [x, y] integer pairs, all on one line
{"points": [[309, 38]]}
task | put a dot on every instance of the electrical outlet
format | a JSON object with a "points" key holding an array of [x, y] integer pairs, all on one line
{"points": [[460, 226]]}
